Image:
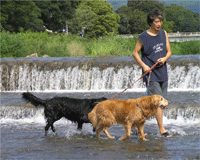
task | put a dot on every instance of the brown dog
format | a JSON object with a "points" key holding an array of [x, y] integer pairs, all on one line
{"points": [[129, 112]]}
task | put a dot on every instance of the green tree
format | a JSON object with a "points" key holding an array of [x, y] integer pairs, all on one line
{"points": [[101, 20], [146, 5], [132, 21], [83, 18], [138, 22], [20, 15], [134, 16], [125, 15], [184, 20], [45, 11], [168, 26], [55, 14]]}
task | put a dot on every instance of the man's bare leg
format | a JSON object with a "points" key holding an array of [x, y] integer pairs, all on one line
{"points": [[160, 121]]}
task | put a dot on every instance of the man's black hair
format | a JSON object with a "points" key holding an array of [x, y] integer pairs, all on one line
{"points": [[154, 14]]}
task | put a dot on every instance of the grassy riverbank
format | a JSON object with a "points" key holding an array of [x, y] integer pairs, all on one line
{"points": [[60, 45]]}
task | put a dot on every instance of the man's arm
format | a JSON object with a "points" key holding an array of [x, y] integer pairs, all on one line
{"points": [[168, 52], [136, 56]]}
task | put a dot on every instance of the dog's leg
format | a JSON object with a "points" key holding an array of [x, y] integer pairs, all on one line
{"points": [[99, 130], [53, 129], [47, 128], [80, 125], [107, 122], [128, 131], [49, 124], [141, 134], [106, 132]]}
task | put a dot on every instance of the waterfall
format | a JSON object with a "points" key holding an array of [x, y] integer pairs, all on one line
{"points": [[14, 112], [55, 74], [182, 77], [187, 112]]}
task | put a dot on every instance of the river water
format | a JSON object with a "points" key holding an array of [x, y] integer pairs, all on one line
{"points": [[22, 125]]}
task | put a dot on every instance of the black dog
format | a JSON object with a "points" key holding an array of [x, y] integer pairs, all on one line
{"points": [[72, 109]]}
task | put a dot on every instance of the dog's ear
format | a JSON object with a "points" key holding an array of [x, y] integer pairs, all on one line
{"points": [[155, 101], [144, 102], [145, 105]]}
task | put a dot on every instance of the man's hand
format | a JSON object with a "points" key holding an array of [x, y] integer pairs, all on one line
{"points": [[161, 62], [146, 68]]}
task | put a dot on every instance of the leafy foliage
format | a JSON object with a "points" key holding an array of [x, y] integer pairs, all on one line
{"points": [[82, 18], [55, 13], [61, 45], [96, 17], [20, 15], [145, 6], [133, 17], [17, 16], [184, 20], [27, 43]]}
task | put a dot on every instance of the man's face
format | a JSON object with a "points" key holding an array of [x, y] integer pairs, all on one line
{"points": [[157, 23]]}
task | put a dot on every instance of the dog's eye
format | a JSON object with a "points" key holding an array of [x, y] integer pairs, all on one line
{"points": [[162, 99]]}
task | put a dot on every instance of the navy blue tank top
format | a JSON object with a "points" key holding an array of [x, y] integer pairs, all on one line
{"points": [[154, 47]]}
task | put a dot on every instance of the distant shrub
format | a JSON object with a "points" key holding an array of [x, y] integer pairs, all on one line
{"points": [[76, 49], [190, 47], [61, 45]]}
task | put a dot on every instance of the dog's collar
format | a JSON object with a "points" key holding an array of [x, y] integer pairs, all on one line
{"points": [[138, 107]]}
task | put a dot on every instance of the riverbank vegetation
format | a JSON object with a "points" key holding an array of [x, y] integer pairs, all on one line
{"points": [[24, 26], [60, 45], [93, 18]]}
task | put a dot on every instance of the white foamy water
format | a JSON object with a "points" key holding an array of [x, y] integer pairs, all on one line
{"points": [[39, 119], [180, 121], [180, 125]]}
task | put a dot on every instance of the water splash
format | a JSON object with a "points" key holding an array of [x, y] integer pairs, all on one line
{"points": [[37, 114]]}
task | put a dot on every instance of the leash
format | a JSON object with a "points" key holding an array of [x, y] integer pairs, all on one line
{"points": [[149, 71]]}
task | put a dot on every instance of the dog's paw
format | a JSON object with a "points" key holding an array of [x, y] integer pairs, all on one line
{"points": [[142, 138], [111, 137]]}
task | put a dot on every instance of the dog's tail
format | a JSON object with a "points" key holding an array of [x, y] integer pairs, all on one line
{"points": [[33, 99], [93, 118]]}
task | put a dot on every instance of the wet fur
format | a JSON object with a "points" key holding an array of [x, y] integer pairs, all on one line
{"points": [[55, 108], [129, 112]]}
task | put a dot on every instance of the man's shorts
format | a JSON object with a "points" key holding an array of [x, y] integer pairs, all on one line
{"points": [[159, 88]]}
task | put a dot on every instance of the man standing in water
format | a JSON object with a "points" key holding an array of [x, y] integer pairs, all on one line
{"points": [[154, 46]]}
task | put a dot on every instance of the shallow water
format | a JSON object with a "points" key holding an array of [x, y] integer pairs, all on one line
{"points": [[22, 132]]}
